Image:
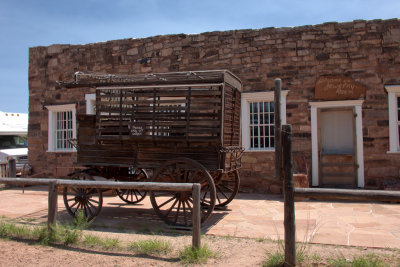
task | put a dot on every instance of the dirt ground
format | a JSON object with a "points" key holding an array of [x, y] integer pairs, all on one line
{"points": [[229, 251]]}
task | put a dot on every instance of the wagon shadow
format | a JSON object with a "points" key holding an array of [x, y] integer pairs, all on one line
{"points": [[140, 218]]}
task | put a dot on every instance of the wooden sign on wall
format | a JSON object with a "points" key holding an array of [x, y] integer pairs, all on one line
{"points": [[338, 88]]}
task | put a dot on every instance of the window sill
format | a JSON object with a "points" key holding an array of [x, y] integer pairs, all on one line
{"points": [[61, 151], [259, 150], [393, 152]]}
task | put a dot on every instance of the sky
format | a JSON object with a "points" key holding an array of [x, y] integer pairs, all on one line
{"points": [[30, 23]]}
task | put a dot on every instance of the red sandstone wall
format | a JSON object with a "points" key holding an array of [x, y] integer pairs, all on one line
{"points": [[366, 51]]}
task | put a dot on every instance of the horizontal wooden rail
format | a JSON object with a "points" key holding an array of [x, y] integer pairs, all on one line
{"points": [[350, 194], [148, 186], [53, 185]]}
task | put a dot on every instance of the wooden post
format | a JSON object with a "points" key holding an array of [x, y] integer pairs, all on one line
{"points": [[53, 205], [278, 134], [196, 219], [12, 169], [289, 217]]}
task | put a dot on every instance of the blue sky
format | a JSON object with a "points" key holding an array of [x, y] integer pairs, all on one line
{"points": [[29, 23]]}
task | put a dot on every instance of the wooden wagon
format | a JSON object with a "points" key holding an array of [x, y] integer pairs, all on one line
{"points": [[179, 127]]}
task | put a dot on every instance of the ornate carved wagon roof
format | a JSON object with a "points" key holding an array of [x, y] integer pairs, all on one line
{"points": [[82, 79]]}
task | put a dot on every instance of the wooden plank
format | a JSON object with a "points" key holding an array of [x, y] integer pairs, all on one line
{"points": [[289, 212], [12, 169], [196, 217], [52, 206], [350, 194]]}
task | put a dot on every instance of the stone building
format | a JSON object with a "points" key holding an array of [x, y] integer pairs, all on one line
{"points": [[342, 95]]}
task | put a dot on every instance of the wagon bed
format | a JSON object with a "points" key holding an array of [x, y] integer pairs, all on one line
{"points": [[159, 116]]}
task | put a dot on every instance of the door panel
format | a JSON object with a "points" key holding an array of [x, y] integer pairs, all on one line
{"points": [[337, 148]]}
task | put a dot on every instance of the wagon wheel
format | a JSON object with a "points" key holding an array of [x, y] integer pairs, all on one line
{"points": [[227, 186], [175, 208], [133, 196], [86, 200]]}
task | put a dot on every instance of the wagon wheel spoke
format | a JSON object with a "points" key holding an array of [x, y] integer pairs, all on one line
{"points": [[76, 190], [89, 201], [218, 199], [166, 202], [222, 192], [73, 205], [184, 213], [227, 187], [188, 204], [170, 209], [90, 206], [77, 207], [183, 170], [177, 211], [133, 196]]}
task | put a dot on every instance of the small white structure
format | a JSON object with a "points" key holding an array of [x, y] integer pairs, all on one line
{"points": [[13, 138]]}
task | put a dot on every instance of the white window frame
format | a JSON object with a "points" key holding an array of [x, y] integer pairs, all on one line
{"points": [[250, 97], [90, 104], [393, 94], [52, 125]]}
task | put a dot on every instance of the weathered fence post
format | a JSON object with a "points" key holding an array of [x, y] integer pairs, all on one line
{"points": [[278, 135], [196, 219], [289, 218], [12, 168], [53, 205]]}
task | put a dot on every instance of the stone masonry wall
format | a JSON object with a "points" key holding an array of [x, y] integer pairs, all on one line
{"points": [[366, 51]]}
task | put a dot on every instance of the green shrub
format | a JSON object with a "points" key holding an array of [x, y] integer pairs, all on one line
{"points": [[195, 255], [149, 247], [110, 243], [92, 241]]}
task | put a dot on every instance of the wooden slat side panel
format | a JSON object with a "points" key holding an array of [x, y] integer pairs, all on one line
{"points": [[169, 113], [232, 117], [86, 129]]}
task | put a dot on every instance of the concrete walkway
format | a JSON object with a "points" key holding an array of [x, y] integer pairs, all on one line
{"points": [[249, 215]]}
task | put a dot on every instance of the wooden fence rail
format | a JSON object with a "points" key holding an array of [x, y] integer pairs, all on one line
{"points": [[148, 186]]}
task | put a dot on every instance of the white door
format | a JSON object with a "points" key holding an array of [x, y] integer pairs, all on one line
{"points": [[337, 149]]}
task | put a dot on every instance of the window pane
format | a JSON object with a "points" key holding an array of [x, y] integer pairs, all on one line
{"points": [[272, 118], [255, 107], [255, 142], [266, 130], [255, 131], [272, 132], [272, 142], [272, 109], [262, 143], [261, 131], [255, 118], [266, 106], [266, 118], [398, 102]]}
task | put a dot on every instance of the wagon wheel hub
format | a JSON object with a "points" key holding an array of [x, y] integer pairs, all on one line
{"points": [[81, 197]]}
